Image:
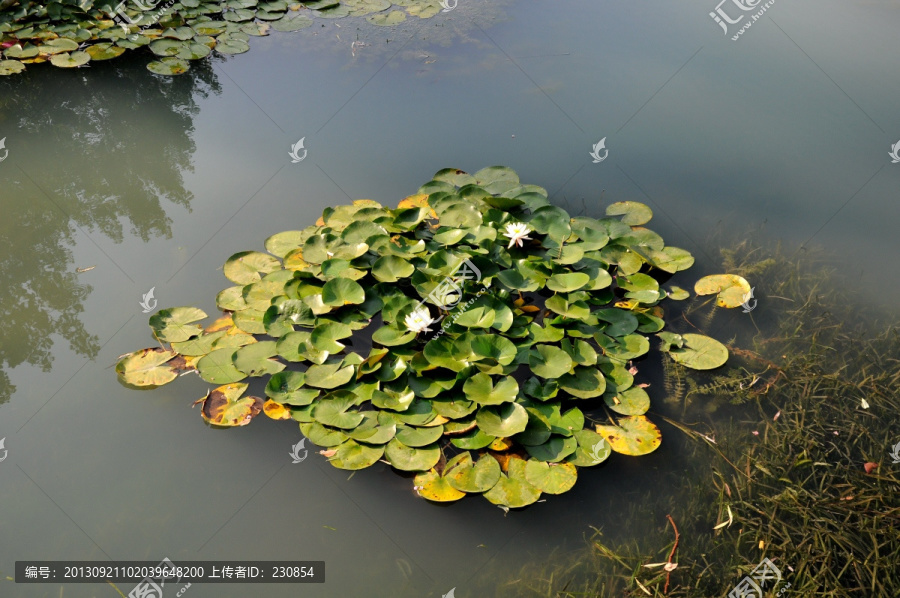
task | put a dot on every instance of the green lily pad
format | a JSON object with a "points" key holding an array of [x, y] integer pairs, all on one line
{"points": [[453, 407], [634, 213], [295, 346], [480, 388], [538, 429], [353, 455], [58, 45], [231, 299], [577, 310], [435, 487], [239, 15], [513, 489], [231, 46], [467, 475], [551, 478], [19, 51], [437, 381], [329, 375], [491, 175], [633, 401], [480, 316], [218, 367], [381, 431], [472, 440], [175, 324], [592, 449], [585, 383], [502, 420], [256, 359], [419, 413], [635, 435], [198, 345], [733, 290], [281, 244], [621, 322], [169, 65], [10, 67], [397, 401], [700, 352], [210, 27], [565, 424], [678, 294], [233, 340], [391, 337], [407, 458], [250, 321], [566, 283], [391, 268], [317, 433], [554, 450], [249, 266], [105, 51], [147, 367], [494, 346], [548, 361], [337, 409], [418, 437], [387, 19], [259, 295], [325, 336], [342, 291], [288, 388], [669, 259]]}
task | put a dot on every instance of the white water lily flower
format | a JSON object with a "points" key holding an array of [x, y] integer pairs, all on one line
{"points": [[419, 320], [517, 232]]}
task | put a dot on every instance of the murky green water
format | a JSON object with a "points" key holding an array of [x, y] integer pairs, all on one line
{"points": [[783, 134]]}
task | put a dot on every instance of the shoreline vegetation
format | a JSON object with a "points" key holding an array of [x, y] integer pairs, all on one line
{"points": [[799, 473]]}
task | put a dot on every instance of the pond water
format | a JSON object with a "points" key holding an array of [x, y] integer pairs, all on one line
{"points": [[782, 135]]}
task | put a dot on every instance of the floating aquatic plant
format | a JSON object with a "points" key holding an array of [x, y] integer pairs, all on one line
{"points": [[468, 335], [71, 33]]}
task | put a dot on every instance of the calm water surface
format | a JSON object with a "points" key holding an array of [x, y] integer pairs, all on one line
{"points": [[783, 135]]}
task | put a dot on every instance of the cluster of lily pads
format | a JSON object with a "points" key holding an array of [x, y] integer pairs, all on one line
{"points": [[469, 335], [71, 33]]}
